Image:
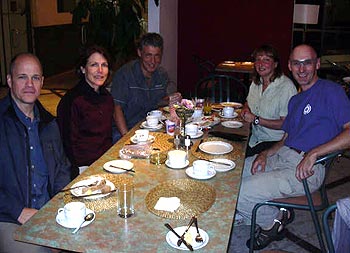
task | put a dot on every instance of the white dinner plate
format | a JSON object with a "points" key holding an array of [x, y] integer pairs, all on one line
{"points": [[221, 167], [167, 163], [199, 134], [211, 173], [232, 124], [216, 147], [207, 121], [235, 114], [134, 140], [232, 104], [78, 191], [118, 163], [172, 239], [60, 219], [146, 126]]}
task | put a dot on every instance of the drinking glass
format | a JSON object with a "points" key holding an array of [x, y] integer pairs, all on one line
{"points": [[207, 107]]}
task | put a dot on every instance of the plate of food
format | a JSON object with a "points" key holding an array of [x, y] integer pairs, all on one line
{"points": [[92, 185], [207, 121]]}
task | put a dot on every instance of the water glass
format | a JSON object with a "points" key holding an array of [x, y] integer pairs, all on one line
{"points": [[125, 198]]}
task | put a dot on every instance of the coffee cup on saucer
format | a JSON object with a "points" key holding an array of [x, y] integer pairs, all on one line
{"points": [[74, 213], [192, 129], [228, 111], [141, 135], [177, 158], [152, 121], [156, 113], [201, 167]]}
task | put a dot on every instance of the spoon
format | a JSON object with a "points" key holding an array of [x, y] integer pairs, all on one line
{"points": [[88, 217]]}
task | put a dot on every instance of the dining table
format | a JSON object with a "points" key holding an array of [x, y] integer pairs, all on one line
{"points": [[145, 230], [238, 67]]}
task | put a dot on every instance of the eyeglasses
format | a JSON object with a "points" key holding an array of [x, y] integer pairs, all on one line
{"points": [[306, 63]]}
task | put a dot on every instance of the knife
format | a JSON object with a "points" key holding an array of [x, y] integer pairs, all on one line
{"points": [[129, 170], [94, 194], [189, 246], [222, 163], [80, 186]]}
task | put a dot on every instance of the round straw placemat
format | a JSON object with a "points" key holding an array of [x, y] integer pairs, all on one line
{"points": [[103, 203], [195, 198], [164, 142]]}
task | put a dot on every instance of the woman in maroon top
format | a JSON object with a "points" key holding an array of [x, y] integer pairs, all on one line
{"points": [[85, 113]]}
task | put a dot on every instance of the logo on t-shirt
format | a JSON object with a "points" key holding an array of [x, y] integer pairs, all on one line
{"points": [[307, 109]]}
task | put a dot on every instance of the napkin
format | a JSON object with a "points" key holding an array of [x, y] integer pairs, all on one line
{"points": [[167, 204]]}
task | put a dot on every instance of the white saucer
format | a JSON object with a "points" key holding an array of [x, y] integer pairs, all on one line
{"points": [[172, 239], [222, 167], [60, 219], [199, 134], [167, 163], [211, 173], [118, 163], [133, 139], [235, 114], [146, 126], [232, 124]]}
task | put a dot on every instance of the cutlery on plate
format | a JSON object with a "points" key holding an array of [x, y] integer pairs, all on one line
{"points": [[189, 246], [183, 235], [198, 236], [121, 168], [94, 194], [80, 186], [222, 163]]}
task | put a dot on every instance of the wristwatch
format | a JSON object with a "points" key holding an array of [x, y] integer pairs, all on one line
{"points": [[256, 120]]}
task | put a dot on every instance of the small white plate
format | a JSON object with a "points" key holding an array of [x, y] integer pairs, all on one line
{"points": [[118, 163], [133, 139], [78, 191], [232, 124], [146, 126], [167, 163], [172, 239], [211, 173], [232, 104], [216, 147], [60, 219], [199, 134], [235, 114], [222, 167]]}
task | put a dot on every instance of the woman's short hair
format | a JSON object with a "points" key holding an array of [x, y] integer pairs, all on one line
{"points": [[270, 51]]}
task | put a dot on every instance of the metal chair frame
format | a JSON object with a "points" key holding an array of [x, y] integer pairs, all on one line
{"points": [[302, 203], [326, 228]]}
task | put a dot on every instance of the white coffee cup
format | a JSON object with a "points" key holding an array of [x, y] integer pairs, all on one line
{"points": [[201, 167], [177, 158], [192, 129], [198, 112], [228, 111], [141, 135], [156, 113], [74, 213], [152, 121]]}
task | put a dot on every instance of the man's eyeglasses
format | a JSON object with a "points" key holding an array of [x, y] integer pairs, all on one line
{"points": [[306, 63]]}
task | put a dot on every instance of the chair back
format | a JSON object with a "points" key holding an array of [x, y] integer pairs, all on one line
{"points": [[221, 88]]}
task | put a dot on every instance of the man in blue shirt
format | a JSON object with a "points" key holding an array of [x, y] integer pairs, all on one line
{"points": [[141, 85], [33, 165], [318, 123]]}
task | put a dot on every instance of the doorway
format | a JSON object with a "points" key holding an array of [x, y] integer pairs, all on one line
{"points": [[14, 16]]}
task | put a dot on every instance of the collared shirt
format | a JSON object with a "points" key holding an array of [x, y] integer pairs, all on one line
{"points": [[38, 170]]}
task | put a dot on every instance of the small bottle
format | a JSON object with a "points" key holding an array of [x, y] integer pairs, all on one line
{"points": [[176, 141], [187, 143]]}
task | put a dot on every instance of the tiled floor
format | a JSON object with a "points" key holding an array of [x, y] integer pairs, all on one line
{"points": [[55, 87]]}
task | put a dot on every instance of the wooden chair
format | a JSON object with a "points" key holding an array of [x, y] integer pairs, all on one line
{"points": [[221, 88], [313, 203]]}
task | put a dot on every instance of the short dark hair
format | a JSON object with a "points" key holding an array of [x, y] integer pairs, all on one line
{"points": [[270, 51], [14, 59], [87, 52], [151, 39]]}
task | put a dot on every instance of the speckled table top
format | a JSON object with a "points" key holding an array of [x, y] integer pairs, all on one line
{"points": [[145, 231]]}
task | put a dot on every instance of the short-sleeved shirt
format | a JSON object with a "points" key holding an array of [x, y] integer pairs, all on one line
{"points": [[131, 91], [270, 104], [316, 116]]}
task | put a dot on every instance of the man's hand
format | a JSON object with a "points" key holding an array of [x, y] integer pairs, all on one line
{"points": [[26, 214], [174, 98], [305, 167], [259, 163]]}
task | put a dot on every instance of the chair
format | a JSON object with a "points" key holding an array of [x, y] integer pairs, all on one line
{"points": [[221, 88], [205, 67], [326, 229], [313, 203]]}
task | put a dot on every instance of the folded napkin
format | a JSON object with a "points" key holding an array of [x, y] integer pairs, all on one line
{"points": [[167, 204]]}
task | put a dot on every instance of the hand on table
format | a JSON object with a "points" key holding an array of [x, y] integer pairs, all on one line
{"points": [[26, 214]]}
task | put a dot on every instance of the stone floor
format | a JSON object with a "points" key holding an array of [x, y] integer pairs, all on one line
{"points": [[55, 87]]}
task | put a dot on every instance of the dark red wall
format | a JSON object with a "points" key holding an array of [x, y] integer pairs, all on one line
{"points": [[229, 30]]}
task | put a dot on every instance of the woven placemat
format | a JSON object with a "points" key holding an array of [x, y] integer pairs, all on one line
{"points": [[103, 203], [233, 155], [195, 198], [164, 141]]}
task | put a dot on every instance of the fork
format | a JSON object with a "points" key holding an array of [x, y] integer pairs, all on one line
{"points": [[198, 236]]}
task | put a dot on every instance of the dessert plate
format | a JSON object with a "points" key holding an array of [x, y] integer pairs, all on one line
{"points": [[118, 163], [211, 173], [78, 191], [134, 140], [232, 124], [60, 219], [216, 147], [221, 167], [172, 239], [235, 114], [167, 163]]}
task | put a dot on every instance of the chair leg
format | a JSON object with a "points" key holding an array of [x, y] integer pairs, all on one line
{"points": [[252, 228]]}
